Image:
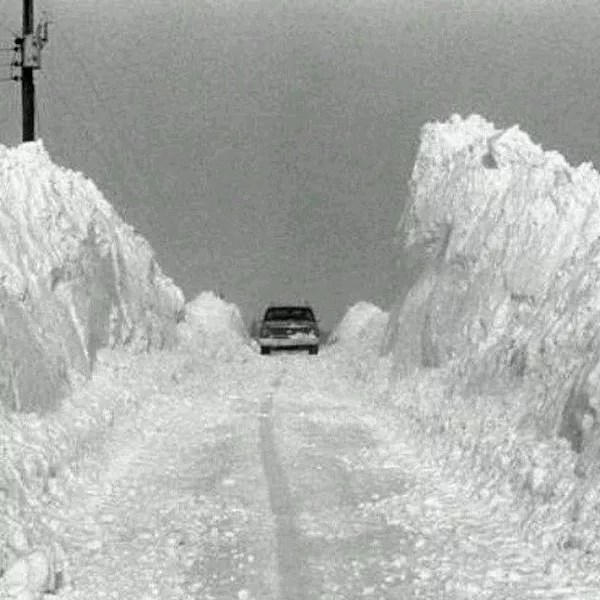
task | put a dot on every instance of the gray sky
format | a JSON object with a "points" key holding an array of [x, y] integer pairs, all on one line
{"points": [[263, 148]]}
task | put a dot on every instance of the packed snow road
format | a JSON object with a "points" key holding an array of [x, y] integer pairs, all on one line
{"points": [[279, 478]]}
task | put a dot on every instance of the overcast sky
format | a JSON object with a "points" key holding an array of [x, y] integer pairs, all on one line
{"points": [[264, 148]]}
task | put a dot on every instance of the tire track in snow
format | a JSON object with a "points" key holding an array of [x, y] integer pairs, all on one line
{"points": [[289, 556]]}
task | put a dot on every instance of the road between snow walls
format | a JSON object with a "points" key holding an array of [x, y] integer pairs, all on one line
{"points": [[461, 464], [277, 478]]}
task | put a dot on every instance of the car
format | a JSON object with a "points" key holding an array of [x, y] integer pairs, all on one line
{"points": [[289, 327]]}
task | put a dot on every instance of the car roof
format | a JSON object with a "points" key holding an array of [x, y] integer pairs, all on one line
{"points": [[291, 306]]}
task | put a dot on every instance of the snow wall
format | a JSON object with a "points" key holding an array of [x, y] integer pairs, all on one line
{"points": [[73, 278], [500, 262]]}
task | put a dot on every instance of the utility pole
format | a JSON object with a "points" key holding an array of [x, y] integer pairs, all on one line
{"points": [[29, 47], [27, 85]]}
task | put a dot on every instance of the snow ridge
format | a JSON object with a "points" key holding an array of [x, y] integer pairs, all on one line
{"points": [[74, 278]]}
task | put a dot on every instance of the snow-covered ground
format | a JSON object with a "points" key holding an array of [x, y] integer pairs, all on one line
{"points": [[280, 477], [447, 448]]}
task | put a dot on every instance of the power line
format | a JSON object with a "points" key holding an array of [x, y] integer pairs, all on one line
{"points": [[109, 165], [118, 130], [97, 93], [133, 152], [125, 189]]}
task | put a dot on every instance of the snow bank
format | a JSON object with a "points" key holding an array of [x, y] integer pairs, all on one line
{"points": [[534, 481], [357, 339], [500, 260], [45, 458], [73, 278], [213, 327], [362, 325]]}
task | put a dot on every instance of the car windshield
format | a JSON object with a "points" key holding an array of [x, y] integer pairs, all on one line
{"points": [[289, 313]]}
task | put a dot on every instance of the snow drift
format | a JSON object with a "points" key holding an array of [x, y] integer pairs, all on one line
{"points": [[73, 278]]}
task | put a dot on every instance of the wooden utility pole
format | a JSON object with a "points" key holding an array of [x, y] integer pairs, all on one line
{"points": [[27, 85], [30, 47]]}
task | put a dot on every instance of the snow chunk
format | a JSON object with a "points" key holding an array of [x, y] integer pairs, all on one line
{"points": [[211, 313], [28, 577]]}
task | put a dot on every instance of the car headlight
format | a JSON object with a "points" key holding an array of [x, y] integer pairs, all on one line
{"points": [[264, 332]]}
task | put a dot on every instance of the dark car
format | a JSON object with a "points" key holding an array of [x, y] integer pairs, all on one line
{"points": [[289, 327]]}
